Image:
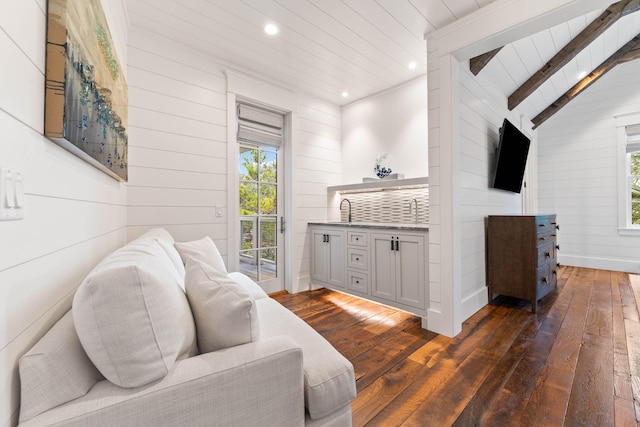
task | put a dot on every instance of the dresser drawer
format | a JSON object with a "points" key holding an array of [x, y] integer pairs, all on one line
{"points": [[358, 281], [545, 227], [357, 238], [357, 258], [547, 253], [546, 279]]}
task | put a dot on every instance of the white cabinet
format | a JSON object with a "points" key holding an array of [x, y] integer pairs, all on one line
{"points": [[384, 265], [328, 256], [398, 268]]}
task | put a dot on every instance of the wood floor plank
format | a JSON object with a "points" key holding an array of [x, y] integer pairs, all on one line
{"points": [[575, 362], [591, 401], [386, 388]]}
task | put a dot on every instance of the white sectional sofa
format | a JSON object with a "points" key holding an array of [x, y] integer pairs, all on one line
{"points": [[136, 349]]}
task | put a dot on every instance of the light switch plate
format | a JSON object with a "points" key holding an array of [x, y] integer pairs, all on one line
{"points": [[11, 194]]}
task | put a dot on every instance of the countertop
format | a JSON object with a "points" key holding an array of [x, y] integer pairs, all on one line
{"points": [[377, 225]]}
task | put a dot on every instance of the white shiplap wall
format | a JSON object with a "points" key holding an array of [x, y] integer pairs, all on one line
{"points": [[577, 173], [317, 164], [177, 144], [74, 214], [178, 148], [482, 110]]}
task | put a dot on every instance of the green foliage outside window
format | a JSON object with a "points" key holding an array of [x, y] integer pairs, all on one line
{"points": [[258, 196]]}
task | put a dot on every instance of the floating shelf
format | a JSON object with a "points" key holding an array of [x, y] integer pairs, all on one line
{"points": [[381, 185]]}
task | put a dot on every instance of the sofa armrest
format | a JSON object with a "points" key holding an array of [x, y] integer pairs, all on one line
{"points": [[255, 384]]}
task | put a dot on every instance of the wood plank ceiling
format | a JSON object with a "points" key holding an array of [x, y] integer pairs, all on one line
{"points": [[327, 47], [323, 47]]}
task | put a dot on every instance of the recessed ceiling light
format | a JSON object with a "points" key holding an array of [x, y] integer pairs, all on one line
{"points": [[271, 29], [582, 74], [412, 65], [345, 94]]}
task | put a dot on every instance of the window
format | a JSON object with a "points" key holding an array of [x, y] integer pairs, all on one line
{"points": [[632, 150]]}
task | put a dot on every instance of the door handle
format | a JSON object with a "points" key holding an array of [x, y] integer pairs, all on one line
{"points": [[398, 244], [282, 224], [392, 244]]}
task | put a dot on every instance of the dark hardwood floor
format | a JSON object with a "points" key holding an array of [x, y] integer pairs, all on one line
{"points": [[574, 363]]}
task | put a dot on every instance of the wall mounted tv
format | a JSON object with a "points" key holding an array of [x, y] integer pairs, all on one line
{"points": [[511, 158]]}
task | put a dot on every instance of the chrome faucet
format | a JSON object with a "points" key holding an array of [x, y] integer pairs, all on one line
{"points": [[348, 201], [411, 202]]}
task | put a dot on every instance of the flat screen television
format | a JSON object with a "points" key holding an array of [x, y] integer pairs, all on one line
{"points": [[511, 158]]}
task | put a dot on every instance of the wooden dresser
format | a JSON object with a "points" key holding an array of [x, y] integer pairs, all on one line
{"points": [[522, 256]]}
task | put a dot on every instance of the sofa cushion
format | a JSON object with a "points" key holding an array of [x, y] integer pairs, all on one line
{"points": [[329, 381], [174, 256], [132, 317], [224, 312], [55, 371], [249, 285], [203, 250]]}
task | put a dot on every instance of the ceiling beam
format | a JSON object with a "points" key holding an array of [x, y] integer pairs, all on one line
{"points": [[626, 53], [575, 46], [476, 64]]}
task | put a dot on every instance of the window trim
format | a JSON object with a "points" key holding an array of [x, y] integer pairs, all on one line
{"points": [[624, 203]]}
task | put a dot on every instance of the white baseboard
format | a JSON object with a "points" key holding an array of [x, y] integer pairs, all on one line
{"points": [[437, 322], [474, 302], [627, 266]]}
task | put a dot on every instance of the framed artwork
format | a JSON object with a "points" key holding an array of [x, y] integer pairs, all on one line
{"points": [[86, 100]]}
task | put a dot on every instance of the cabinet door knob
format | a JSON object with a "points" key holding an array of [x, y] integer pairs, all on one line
{"points": [[357, 282], [357, 238], [357, 259]]}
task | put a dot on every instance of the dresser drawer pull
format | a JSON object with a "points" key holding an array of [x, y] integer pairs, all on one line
{"points": [[543, 238], [558, 247], [547, 255], [542, 225], [545, 280]]}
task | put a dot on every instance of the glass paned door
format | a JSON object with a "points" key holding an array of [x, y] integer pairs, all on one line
{"points": [[260, 203]]}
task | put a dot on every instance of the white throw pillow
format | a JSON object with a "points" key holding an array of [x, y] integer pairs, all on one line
{"points": [[225, 313], [55, 371], [132, 317], [203, 250]]}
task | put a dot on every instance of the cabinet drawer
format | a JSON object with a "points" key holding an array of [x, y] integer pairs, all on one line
{"points": [[357, 238], [546, 253], [545, 227], [358, 281], [546, 278], [357, 258]]}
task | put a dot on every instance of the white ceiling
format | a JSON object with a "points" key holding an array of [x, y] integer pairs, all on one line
{"points": [[325, 47]]}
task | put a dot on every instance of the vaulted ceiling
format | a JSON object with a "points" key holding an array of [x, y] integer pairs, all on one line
{"points": [[327, 47]]}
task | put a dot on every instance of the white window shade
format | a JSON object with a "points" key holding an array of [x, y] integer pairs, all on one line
{"points": [[259, 126], [633, 138]]}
